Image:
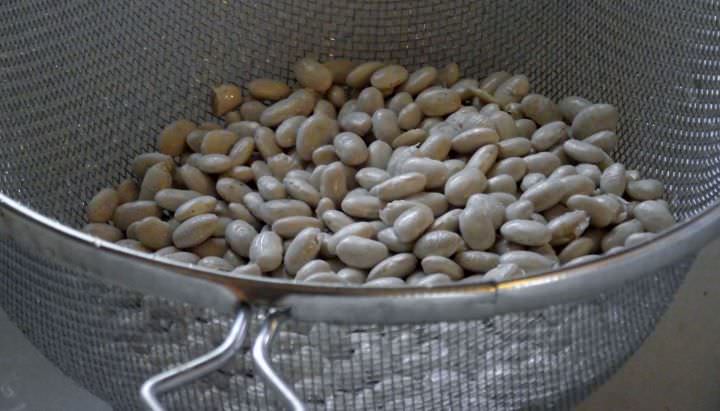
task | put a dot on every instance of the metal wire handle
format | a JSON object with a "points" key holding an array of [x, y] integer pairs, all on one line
{"points": [[199, 367]]}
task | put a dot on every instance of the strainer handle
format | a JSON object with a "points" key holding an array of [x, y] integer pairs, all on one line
{"points": [[199, 367], [261, 358]]}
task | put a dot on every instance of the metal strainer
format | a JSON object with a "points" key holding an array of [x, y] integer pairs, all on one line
{"points": [[86, 85]]}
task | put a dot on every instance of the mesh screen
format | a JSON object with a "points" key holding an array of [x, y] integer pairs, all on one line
{"points": [[86, 84]]}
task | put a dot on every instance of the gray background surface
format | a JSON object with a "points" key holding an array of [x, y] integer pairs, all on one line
{"points": [[677, 369]]}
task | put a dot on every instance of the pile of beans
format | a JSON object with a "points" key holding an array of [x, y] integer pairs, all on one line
{"points": [[368, 174]]}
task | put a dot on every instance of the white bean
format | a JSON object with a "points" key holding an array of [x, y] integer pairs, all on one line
{"points": [[638, 238], [379, 153], [361, 252], [317, 130], [362, 206], [412, 223], [568, 226], [399, 186], [357, 122], [312, 267], [654, 215], [549, 135], [617, 236], [545, 194], [462, 185], [448, 221], [360, 75], [313, 75], [437, 264], [420, 79], [388, 237], [594, 118], [571, 106], [101, 207], [266, 251], [605, 140], [643, 190], [526, 232], [443, 243], [433, 280], [476, 228], [302, 249], [583, 152], [540, 109], [477, 261], [410, 116], [194, 230], [399, 266], [527, 260], [438, 102], [543, 163]]}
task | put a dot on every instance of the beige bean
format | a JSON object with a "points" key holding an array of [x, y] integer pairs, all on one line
{"points": [[361, 229], [399, 101], [350, 148], [166, 250], [389, 77], [436, 146], [502, 184], [360, 76], [591, 171], [545, 194], [568, 227], [470, 140], [337, 96], [265, 142], [252, 110], [601, 209], [504, 124], [512, 90], [362, 206], [281, 164], [379, 153], [352, 276], [617, 236], [276, 209], [172, 198], [325, 108], [369, 177], [454, 166], [583, 152], [462, 185], [436, 201], [335, 220], [195, 206], [385, 282], [654, 215], [333, 183], [515, 110], [244, 128], [157, 177], [437, 264], [133, 245], [613, 179], [242, 151], [325, 204], [266, 251], [438, 102], [420, 79], [286, 132], [360, 252], [493, 81], [289, 227], [102, 206], [312, 267], [555, 211], [268, 89], [194, 230], [412, 223], [340, 68], [514, 147], [142, 163], [214, 163], [638, 238], [440, 242], [215, 263], [526, 232], [605, 140], [302, 190], [388, 237], [433, 280], [133, 211], [394, 209], [270, 188], [525, 128], [231, 190], [153, 233], [559, 152], [171, 140], [398, 266], [410, 116], [484, 159], [225, 98], [325, 278], [565, 171], [476, 228], [577, 184], [250, 269], [399, 186], [549, 135], [299, 103], [349, 107], [515, 167], [527, 260], [519, 210], [410, 138], [218, 142], [594, 118], [540, 109], [385, 125], [302, 249], [448, 75], [103, 231], [324, 155], [313, 75], [493, 206], [530, 180], [435, 172], [571, 106], [222, 224], [316, 131], [477, 261], [577, 248], [428, 123], [127, 191], [543, 163], [370, 100], [448, 221], [464, 87], [498, 274], [196, 180], [216, 247], [643, 190], [356, 122], [632, 175]]}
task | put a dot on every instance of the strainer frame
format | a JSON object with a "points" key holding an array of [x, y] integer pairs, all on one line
{"points": [[346, 305]]}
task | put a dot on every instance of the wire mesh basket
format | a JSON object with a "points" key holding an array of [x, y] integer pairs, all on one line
{"points": [[87, 85]]}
